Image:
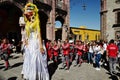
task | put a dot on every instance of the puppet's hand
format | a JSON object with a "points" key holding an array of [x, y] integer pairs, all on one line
{"points": [[42, 50]]}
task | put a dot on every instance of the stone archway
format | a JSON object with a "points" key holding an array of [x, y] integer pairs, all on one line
{"points": [[43, 21], [9, 20], [58, 31]]}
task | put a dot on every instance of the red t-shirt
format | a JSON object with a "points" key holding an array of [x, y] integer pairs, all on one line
{"points": [[80, 49], [5, 47], [112, 50], [55, 50], [65, 48], [49, 49]]}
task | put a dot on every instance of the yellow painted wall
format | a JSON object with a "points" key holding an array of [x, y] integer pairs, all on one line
{"points": [[86, 34]]}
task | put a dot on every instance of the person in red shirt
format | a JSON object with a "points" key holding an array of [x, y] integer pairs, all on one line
{"points": [[55, 51], [5, 49], [79, 48], [49, 49], [112, 51], [66, 49]]}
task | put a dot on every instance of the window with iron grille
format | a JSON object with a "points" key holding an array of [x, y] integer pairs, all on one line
{"points": [[118, 17]]}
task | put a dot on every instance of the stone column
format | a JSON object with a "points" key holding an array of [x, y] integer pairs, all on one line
{"points": [[51, 23], [49, 30], [66, 26], [53, 20]]}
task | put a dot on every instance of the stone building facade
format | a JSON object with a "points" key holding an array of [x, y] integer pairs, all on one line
{"points": [[49, 12], [110, 19]]}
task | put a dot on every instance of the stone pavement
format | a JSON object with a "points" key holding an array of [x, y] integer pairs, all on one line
{"points": [[84, 72]]}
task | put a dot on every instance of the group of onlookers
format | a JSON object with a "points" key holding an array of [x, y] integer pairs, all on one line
{"points": [[94, 52]]}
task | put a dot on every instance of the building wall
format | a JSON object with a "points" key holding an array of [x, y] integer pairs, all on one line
{"points": [[85, 34], [51, 9], [108, 19]]}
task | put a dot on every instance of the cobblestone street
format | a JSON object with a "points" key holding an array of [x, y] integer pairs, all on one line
{"points": [[84, 72]]}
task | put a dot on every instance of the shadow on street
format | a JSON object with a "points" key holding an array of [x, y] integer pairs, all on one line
{"points": [[52, 67], [13, 78], [17, 64]]}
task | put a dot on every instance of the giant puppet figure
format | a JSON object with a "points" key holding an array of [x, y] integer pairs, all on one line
{"points": [[37, 56]]}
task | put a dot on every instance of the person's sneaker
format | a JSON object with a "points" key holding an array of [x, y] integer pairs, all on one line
{"points": [[79, 65], [98, 69], [61, 68], [75, 65], [66, 68], [9, 67], [5, 69]]}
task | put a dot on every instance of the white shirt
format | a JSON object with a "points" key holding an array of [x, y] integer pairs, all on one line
{"points": [[97, 49], [104, 46], [91, 49]]}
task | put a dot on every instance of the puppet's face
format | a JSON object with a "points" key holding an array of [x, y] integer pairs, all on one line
{"points": [[29, 12]]}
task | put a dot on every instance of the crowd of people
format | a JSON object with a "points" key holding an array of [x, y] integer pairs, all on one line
{"points": [[36, 53], [99, 53]]}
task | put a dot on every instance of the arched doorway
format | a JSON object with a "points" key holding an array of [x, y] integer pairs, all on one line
{"points": [[9, 20], [58, 25], [43, 21], [58, 30]]}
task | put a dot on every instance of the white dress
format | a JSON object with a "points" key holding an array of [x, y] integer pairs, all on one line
{"points": [[26, 57], [38, 62], [26, 63]]}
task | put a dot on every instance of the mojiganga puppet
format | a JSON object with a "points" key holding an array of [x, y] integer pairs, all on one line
{"points": [[32, 20]]}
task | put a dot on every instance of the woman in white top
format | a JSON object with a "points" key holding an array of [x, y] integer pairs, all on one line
{"points": [[97, 50], [90, 53]]}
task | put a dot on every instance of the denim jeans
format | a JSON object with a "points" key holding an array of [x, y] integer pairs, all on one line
{"points": [[112, 64], [97, 60], [90, 57]]}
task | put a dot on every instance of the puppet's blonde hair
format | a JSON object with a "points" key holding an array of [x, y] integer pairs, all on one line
{"points": [[35, 25]]}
